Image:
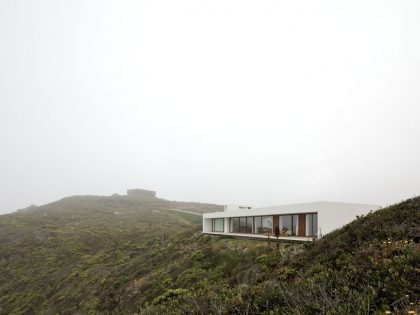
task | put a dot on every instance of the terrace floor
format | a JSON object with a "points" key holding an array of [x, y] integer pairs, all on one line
{"points": [[291, 239]]}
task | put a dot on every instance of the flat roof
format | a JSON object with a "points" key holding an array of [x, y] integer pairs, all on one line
{"points": [[293, 208]]}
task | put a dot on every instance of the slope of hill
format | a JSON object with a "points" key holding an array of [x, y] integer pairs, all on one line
{"points": [[76, 253], [113, 255], [370, 266]]}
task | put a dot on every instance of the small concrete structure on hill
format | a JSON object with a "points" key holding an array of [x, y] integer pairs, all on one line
{"points": [[142, 193]]}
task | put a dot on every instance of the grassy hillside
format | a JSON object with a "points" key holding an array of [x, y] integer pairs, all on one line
{"points": [[368, 267], [83, 253], [113, 255]]}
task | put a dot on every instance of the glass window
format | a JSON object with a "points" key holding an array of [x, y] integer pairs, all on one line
{"points": [[311, 224], [242, 225], [249, 223], [257, 225], [218, 225], [267, 224], [234, 225], [308, 225], [286, 224], [295, 220]]}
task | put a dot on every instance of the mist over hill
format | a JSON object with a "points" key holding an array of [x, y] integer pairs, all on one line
{"points": [[124, 254]]}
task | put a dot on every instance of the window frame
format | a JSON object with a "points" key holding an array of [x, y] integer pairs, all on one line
{"points": [[244, 223], [213, 224], [260, 217], [294, 223]]}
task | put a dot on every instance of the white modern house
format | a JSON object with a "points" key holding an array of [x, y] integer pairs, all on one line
{"points": [[296, 222]]}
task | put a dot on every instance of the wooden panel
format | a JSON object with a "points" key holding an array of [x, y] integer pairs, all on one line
{"points": [[302, 225], [275, 221]]}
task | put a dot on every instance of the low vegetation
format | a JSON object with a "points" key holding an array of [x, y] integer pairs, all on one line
{"points": [[113, 255], [88, 254], [371, 266]]}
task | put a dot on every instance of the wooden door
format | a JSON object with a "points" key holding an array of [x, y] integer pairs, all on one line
{"points": [[275, 222], [301, 225]]}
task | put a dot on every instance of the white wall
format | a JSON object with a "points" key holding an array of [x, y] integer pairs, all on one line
{"points": [[331, 218]]}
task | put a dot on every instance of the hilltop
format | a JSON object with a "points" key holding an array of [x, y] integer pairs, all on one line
{"points": [[119, 254]]}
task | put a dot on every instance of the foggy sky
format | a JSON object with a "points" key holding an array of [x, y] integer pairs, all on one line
{"points": [[225, 101]]}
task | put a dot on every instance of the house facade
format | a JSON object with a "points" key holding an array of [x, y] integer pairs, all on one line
{"points": [[296, 222]]}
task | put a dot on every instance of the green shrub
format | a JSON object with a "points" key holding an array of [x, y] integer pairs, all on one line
{"points": [[170, 294], [269, 261]]}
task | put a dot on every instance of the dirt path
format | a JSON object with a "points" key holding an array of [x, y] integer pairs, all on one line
{"points": [[190, 212]]}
